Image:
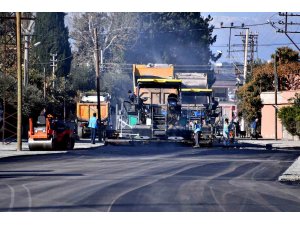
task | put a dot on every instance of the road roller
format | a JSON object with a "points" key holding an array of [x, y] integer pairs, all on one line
{"points": [[47, 133]]}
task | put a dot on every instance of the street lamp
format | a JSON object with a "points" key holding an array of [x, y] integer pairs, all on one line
{"points": [[37, 44]]}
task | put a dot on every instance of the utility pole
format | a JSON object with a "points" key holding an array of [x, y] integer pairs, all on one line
{"points": [[250, 44], [232, 27], [65, 98], [44, 83], [53, 65], [287, 23], [27, 32], [246, 55], [98, 83], [26, 56], [275, 92], [19, 75]]}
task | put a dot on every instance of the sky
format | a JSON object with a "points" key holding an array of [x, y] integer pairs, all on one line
{"points": [[268, 38]]}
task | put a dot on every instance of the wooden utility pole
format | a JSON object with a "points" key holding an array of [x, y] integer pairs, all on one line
{"points": [[250, 44], [54, 65], [19, 73], [275, 92], [98, 83], [246, 55]]}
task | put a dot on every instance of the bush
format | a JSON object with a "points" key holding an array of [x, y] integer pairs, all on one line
{"points": [[289, 117]]}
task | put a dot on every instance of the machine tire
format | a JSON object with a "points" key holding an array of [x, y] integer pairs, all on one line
{"points": [[80, 132], [70, 142]]}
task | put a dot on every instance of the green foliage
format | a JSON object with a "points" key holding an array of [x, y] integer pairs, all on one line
{"points": [[173, 38], [8, 88], [83, 77], [290, 116], [53, 36], [33, 101], [62, 94], [250, 103], [286, 55]]}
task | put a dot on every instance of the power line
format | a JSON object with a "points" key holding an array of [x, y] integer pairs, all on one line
{"points": [[259, 45], [286, 23]]}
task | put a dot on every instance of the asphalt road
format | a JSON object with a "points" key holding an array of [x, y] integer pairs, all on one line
{"points": [[149, 178]]}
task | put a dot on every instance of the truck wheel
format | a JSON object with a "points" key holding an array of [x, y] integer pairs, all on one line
{"points": [[105, 142]]}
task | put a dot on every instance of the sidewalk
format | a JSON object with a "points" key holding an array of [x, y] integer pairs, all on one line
{"points": [[295, 145], [10, 149], [292, 174]]}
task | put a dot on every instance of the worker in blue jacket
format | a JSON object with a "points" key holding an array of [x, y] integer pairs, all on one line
{"points": [[197, 131], [93, 127]]}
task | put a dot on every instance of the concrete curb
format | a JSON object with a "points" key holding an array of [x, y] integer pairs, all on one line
{"points": [[9, 150], [292, 174]]}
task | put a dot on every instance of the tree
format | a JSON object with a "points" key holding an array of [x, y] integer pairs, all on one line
{"points": [[83, 76], [250, 103], [173, 38], [53, 35], [263, 80], [286, 55], [116, 31]]}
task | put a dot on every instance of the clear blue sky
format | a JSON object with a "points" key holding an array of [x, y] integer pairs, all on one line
{"points": [[268, 38]]}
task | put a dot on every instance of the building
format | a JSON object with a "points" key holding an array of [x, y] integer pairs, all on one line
{"points": [[268, 114], [225, 89]]}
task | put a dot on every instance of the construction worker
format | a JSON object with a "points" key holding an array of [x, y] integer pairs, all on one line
{"points": [[226, 132], [93, 127], [214, 103], [197, 130], [131, 96], [253, 127]]}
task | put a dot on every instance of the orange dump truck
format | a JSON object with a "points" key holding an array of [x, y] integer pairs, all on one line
{"points": [[86, 106]]}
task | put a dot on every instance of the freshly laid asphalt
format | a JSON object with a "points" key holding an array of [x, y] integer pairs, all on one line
{"points": [[151, 178], [292, 174]]}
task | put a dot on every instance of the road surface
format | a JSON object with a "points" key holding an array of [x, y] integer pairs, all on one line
{"points": [[149, 178]]}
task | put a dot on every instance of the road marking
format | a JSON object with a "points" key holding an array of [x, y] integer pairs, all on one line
{"points": [[216, 200], [12, 197], [29, 196], [144, 185]]}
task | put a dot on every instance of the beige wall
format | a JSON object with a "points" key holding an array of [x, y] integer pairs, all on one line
{"points": [[268, 123], [268, 113]]}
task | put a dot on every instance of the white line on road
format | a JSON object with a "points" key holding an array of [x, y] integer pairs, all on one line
{"points": [[12, 197], [216, 200], [148, 183], [29, 196]]}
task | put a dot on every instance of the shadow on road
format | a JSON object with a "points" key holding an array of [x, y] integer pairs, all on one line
{"points": [[156, 149]]}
